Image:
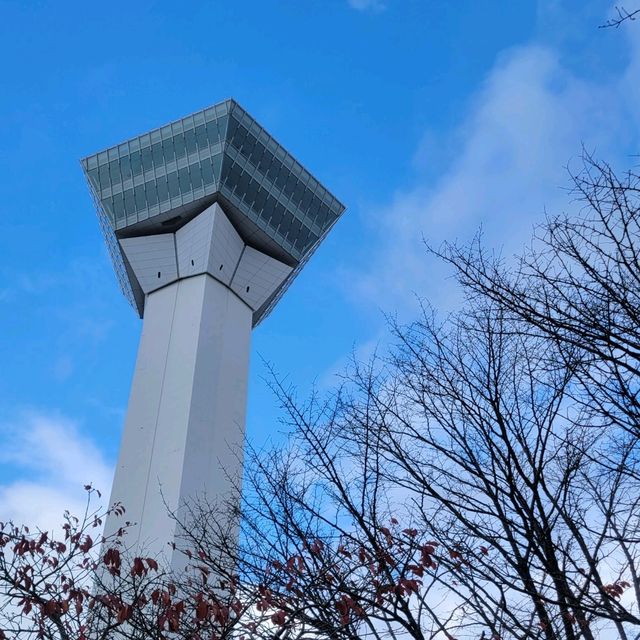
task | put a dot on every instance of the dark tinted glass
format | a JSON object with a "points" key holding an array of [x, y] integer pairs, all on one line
{"points": [[118, 206], [103, 173], [136, 164], [152, 194], [190, 140], [129, 204], [146, 158], [196, 176], [114, 172], [174, 189], [163, 190], [178, 143], [168, 151], [141, 202], [125, 167], [207, 171], [201, 137], [156, 153]]}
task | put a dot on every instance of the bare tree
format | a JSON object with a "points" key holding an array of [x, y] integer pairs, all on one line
{"points": [[504, 438], [621, 15]]}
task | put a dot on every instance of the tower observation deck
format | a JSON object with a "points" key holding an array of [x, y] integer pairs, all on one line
{"points": [[208, 220]]}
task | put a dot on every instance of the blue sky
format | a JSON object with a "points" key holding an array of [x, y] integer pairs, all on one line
{"points": [[426, 117]]}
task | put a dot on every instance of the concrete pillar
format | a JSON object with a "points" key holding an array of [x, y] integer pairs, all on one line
{"points": [[184, 427]]}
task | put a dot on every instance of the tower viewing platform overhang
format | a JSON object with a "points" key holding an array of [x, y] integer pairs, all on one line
{"points": [[157, 183]]}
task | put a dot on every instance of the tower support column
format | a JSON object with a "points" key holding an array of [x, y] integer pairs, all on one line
{"points": [[184, 428]]}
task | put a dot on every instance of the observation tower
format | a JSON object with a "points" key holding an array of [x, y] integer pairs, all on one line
{"points": [[208, 220]]}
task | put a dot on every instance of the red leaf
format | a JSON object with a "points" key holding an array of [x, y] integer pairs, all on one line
{"points": [[138, 568], [202, 611], [152, 564], [279, 618], [86, 545]]}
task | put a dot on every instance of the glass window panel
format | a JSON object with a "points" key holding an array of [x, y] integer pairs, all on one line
{"points": [[268, 208], [136, 164], [290, 184], [303, 236], [322, 216], [163, 189], [251, 192], [168, 151], [108, 205], [294, 230], [272, 170], [141, 201], [257, 153], [125, 167], [196, 176], [129, 203], [103, 174], [234, 176], [243, 183], [114, 172], [298, 191], [178, 143], [249, 145], [212, 132], [118, 206], [183, 179], [93, 176], [231, 128], [207, 171], [239, 137], [260, 201], [314, 207], [306, 199], [190, 140], [147, 162], [216, 162], [174, 189], [201, 137], [265, 162], [222, 124], [281, 179], [278, 214], [151, 192], [156, 153]]}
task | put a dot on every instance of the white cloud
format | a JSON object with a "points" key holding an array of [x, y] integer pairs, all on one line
{"points": [[51, 462], [505, 166], [367, 5]]}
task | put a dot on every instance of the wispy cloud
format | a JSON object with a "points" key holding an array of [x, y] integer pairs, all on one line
{"points": [[507, 166], [50, 461], [367, 5]]}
